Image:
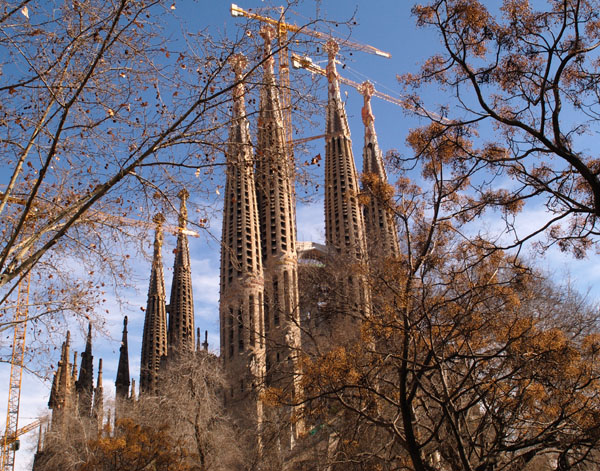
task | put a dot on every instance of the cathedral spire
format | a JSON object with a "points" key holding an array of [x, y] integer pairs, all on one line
{"points": [[85, 384], [122, 382], [180, 336], [381, 231], [276, 207], [344, 224], [98, 407], [241, 303], [62, 385], [336, 120], [154, 341]]}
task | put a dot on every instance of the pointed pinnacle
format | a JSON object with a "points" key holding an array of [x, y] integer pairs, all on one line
{"points": [[183, 213], [268, 33], [99, 381], [238, 64], [367, 89], [158, 219], [65, 348], [88, 344]]}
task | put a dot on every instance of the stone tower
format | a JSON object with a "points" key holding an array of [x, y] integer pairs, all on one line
{"points": [[275, 195], [381, 230], [344, 223], [241, 297], [154, 341], [98, 407], [180, 335], [85, 384], [122, 382], [62, 392]]}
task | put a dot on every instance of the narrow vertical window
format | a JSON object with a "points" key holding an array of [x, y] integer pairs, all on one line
{"points": [[275, 302], [287, 294]]}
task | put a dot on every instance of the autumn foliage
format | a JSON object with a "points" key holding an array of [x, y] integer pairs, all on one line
{"points": [[137, 447], [519, 82]]}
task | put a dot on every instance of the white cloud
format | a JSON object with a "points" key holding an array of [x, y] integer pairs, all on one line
{"points": [[310, 222]]}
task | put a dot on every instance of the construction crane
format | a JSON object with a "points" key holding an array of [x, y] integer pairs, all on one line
{"points": [[12, 438], [284, 27], [11, 431], [307, 63], [99, 216], [284, 73], [16, 374]]}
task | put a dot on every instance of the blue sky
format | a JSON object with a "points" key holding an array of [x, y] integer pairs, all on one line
{"points": [[385, 24]]}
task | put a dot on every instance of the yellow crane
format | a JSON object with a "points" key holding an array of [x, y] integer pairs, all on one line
{"points": [[12, 439], [307, 63], [16, 374], [284, 73], [365, 87]]}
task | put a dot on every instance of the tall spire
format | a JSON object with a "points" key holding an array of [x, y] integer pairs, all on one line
{"points": [[98, 408], [154, 342], [241, 303], [85, 384], [381, 230], [180, 336], [344, 224], [276, 203], [122, 382]]}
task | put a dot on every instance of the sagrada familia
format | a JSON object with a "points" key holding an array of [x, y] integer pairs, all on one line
{"points": [[263, 318]]}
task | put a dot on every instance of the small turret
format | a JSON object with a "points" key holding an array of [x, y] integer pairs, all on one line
{"points": [[85, 384], [122, 382], [98, 407], [132, 396], [205, 343]]}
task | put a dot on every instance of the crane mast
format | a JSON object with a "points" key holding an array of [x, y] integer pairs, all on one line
{"points": [[16, 374]]}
